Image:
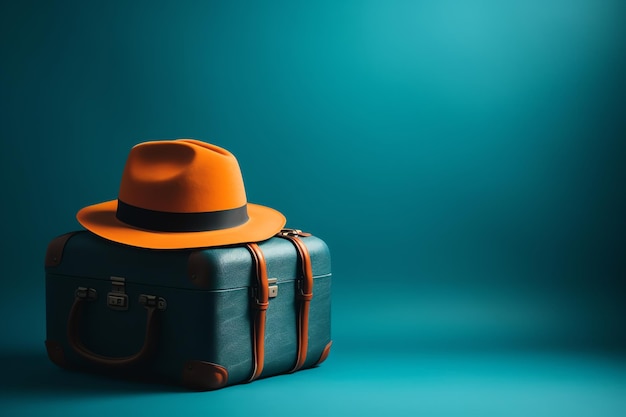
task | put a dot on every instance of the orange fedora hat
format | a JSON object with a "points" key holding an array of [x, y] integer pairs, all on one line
{"points": [[178, 194]]}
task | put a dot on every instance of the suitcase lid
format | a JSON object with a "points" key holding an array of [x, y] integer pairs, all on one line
{"points": [[84, 254]]}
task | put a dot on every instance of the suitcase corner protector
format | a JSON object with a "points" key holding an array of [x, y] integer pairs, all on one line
{"points": [[54, 252], [204, 376], [55, 353]]}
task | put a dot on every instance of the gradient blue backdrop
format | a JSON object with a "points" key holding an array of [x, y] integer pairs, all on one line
{"points": [[464, 160]]}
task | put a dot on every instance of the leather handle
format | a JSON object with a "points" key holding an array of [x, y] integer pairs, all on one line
{"points": [[73, 336]]}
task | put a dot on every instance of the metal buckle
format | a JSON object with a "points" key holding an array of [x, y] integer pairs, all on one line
{"points": [[293, 233], [290, 232]]}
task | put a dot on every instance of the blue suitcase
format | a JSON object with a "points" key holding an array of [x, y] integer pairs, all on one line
{"points": [[203, 318]]}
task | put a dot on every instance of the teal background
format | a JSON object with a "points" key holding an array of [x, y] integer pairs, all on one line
{"points": [[464, 161]]}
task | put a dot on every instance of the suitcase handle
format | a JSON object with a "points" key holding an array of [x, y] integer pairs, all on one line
{"points": [[73, 336]]}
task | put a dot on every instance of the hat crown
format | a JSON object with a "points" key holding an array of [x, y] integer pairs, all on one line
{"points": [[181, 194], [182, 176]]}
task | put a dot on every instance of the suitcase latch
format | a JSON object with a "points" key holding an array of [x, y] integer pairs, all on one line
{"points": [[273, 287], [117, 298]]}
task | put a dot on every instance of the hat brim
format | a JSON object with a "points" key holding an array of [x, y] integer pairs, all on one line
{"points": [[263, 223]]}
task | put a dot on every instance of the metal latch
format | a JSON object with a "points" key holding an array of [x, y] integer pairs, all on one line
{"points": [[117, 298], [153, 301], [273, 287]]}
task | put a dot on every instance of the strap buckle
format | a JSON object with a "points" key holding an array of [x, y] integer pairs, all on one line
{"points": [[300, 290], [293, 233]]}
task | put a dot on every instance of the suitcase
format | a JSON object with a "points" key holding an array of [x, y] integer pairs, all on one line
{"points": [[203, 318]]}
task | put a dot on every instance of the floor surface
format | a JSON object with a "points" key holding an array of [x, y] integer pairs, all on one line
{"points": [[392, 383]]}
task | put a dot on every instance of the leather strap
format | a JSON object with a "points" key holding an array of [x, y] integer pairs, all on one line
{"points": [[260, 301], [305, 293]]}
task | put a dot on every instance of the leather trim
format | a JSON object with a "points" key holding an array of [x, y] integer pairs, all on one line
{"points": [[260, 302], [204, 376], [324, 354], [304, 297], [55, 353], [198, 270], [54, 253]]}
